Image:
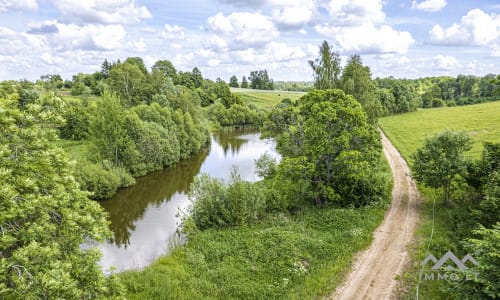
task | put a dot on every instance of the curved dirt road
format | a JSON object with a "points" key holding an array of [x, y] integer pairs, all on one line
{"points": [[372, 275]]}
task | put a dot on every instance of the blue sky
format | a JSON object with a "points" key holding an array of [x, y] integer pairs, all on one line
{"points": [[406, 39]]}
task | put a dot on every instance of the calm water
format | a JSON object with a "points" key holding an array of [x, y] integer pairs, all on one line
{"points": [[144, 217]]}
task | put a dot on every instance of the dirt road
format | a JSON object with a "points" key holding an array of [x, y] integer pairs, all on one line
{"points": [[374, 270]]}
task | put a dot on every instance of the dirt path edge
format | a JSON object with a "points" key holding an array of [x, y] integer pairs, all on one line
{"points": [[374, 271]]}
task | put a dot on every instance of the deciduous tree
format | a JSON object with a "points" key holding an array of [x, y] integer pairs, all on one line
{"points": [[441, 159], [45, 217]]}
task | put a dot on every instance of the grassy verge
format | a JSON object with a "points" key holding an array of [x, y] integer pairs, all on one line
{"points": [[408, 131], [447, 226], [285, 256]]}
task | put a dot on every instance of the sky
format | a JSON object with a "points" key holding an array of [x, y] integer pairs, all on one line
{"points": [[404, 39]]}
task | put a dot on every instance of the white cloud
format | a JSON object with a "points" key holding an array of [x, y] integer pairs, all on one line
{"points": [[293, 14], [445, 62], [173, 32], [356, 12], [429, 5], [50, 59], [139, 45], [213, 62], [7, 5], [241, 30], [87, 37], [475, 28], [368, 38], [274, 52], [359, 26], [105, 12]]}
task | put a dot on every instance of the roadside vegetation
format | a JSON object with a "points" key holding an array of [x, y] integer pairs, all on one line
{"points": [[460, 194]]}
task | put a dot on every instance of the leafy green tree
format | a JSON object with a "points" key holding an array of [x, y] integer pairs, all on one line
{"points": [[45, 217], [326, 68], [356, 81], [108, 132], [77, 121], [128, 81], [233, 81], [166, 68], [484, 248], [217, 205], [260, 80], [244, 82], [441, 159], [329, 146]]}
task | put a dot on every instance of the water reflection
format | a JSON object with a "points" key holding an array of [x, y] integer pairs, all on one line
{"points": [[144, 217]]}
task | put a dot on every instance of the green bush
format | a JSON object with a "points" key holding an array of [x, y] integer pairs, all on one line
{"points": [[218, 205], [101, 181]]}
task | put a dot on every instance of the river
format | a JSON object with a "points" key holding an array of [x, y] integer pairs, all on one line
{"points": [[144, 217]]}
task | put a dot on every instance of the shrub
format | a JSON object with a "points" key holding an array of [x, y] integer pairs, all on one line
{"points": [[219, 205], [101, 181]]}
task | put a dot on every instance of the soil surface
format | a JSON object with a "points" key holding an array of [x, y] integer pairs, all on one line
{"points": [[375, 271]]}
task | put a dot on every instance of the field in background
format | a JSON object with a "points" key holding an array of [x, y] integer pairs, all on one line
{"points": [[265, 99], [408, 131]]}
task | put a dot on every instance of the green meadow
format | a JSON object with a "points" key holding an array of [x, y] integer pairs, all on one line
{"points": [[265, 99], [408, 131]]}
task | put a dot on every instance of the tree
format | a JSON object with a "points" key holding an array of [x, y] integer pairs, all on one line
{"points": [[45, 217], [260, 80], [326, 68], [329, 147], [130, 81], [356, 81], [244, 82], [105, 68], [166, 68], [441, 159], [484, 248], [233, 81], [108, 132]]}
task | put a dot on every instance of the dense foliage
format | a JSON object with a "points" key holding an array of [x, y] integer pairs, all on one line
{"points": [[441, 159], [217, 205], [329, 150], [260, 80], [45, 216]]}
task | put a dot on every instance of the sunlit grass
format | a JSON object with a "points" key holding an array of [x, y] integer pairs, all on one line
{"points": [[266, 99], [408, 131]]}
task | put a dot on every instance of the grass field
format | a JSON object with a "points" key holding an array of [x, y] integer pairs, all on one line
{"points": [[265, 99], [408, 131]]}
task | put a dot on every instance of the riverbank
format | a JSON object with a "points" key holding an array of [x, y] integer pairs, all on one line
{"points": [[285, 256], [304, 254]]}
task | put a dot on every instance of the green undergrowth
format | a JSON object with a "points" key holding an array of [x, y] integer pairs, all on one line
{"points": [[285, 256], [304, 254], [441, 229]]}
